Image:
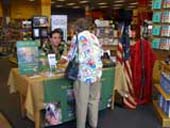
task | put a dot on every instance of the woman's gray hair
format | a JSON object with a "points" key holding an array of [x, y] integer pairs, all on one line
{"points": [[82, 24]]}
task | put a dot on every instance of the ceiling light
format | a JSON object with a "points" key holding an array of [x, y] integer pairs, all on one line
{"points": [[131, 6], [120, 1], [31, 0], [52, 2], [76, 7], [83, 1], [103, 7], [136, 3], [59, 6], [60, 0], [116, 5], [101, 3], [116, 8], [71, 4]]}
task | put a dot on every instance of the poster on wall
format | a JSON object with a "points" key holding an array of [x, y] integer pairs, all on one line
{"points": [[60, 21]]}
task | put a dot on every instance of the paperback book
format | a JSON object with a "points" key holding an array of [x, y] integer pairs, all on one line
{"points": [[156, 4], [155, 43], [164, 44], [156, 30], [166, 4], [165, 31], [166, 17], [156, 17]]}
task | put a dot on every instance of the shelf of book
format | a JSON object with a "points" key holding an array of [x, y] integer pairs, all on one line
{"points": [[165, 121], [162, 92], [161, 24]]}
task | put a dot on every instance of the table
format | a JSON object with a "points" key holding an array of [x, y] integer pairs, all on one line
{"points": [[32, 93]]}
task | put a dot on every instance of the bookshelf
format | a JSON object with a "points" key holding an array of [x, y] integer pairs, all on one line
{"points": [[162, 105], [165, 121], [161, 27]]}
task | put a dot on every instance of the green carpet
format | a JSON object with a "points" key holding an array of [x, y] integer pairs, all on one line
{"points": [[4, 122]]}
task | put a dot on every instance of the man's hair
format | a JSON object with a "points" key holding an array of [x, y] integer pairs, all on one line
{"points": [[57, 30], [82, 24]]}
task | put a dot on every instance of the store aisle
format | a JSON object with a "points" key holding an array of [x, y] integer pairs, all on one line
{"points": [[142, 117]]}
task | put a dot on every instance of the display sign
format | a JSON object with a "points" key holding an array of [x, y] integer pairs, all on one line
{"points": [[52, 62], [27, 53], [60, 21]]}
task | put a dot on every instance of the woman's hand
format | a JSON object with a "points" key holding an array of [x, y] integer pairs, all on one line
{"points": [[62, 61]]}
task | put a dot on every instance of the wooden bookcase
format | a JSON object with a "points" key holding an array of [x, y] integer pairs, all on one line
{"points": [[164, 119]]}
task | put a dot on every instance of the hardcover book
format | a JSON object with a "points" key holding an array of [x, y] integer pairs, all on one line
{"points": [[27, 54]]}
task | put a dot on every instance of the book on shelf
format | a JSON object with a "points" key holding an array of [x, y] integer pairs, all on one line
{"points": [[166, 4], [165, 82], [155, 43], [165, 31], [164, 105], [156, 18], [156, 30], [165, 17], [156, 4], [106, 35], [27, 54], [164, 44]]}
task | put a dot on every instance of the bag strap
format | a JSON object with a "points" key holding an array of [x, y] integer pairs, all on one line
{"points": [[77, 45]]}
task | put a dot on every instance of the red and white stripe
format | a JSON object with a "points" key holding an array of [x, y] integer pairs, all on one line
{"points": [[128, 99]]}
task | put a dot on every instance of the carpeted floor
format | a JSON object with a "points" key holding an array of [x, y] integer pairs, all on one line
{"points": [[142, 117]]}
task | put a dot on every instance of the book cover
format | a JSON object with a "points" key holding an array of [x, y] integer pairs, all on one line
{"points": [[165, 31], [164, 44], [155, 43], [156, 4], [105, 35], [27, 55], [165, 17], [156, 30], [168, 109], [156, 17], [160, 101], [166, 4], [164, 106]]}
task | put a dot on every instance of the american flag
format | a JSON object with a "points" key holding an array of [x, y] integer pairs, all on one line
{"points": [[123, 55]]}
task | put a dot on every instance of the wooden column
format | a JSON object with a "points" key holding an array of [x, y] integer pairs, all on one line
{"points": [[6, 8], [46, 8], [143, 13], [1, 10]]}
